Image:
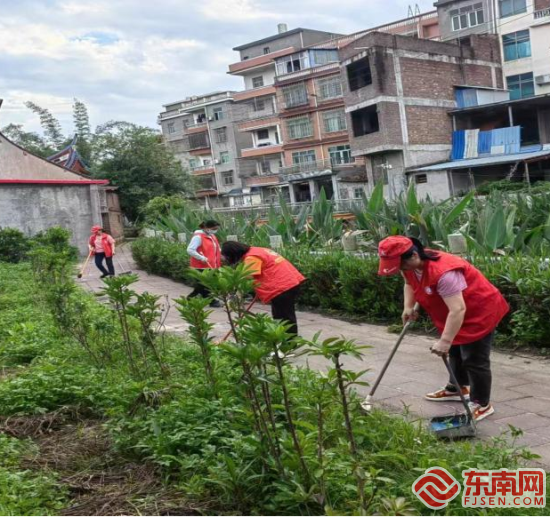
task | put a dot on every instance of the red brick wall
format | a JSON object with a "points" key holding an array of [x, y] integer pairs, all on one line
{"points": [[477, 75], [390, 129], [541, 4], [428, 125], [429, 79]]}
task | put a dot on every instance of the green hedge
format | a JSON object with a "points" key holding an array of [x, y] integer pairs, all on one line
{"points": [[340, 282]]}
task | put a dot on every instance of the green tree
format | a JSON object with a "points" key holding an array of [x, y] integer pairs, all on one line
{"points": [[135, 159], [30, 141], [50, 125], [81, 122]]}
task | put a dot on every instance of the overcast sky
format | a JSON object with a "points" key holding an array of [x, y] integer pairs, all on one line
{"points": [[126, 58]]}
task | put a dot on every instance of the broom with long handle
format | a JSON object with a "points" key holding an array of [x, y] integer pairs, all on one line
{"points": [[81, 274]]}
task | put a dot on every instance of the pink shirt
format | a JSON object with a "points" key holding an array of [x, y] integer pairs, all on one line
{"points": [[450, 284], [99, 243]]}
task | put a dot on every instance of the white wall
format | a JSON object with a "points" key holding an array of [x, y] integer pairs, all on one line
{"points": [[271, 139], [268, 75], [539, 62], [437, 186]]}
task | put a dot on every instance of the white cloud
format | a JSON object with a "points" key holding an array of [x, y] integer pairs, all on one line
{"points": [[235, 10], [125, 58]]}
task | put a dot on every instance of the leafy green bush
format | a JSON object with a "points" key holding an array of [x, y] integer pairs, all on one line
{"points": [[13, 245], [57, 239]]}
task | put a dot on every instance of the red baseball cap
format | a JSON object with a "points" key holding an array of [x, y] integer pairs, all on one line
{"points": [[390, 251], [96, 228]]}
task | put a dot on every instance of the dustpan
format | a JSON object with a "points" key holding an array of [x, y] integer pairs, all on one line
{"points": [[454, 426]]}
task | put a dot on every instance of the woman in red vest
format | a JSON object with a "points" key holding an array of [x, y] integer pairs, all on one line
{"points": [[464, 307], [102, 246], [277, 281], [204, 252]]}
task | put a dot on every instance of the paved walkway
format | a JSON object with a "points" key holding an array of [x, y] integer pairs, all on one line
{"points": [[521, 385]]}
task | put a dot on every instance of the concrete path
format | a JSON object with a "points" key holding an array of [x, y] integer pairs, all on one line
{"points": [[521, 384]]}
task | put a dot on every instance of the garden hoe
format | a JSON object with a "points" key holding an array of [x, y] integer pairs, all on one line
{"points": [[367, 403], [83, 270], [454, 426]]}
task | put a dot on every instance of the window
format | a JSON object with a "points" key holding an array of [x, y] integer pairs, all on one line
{"points": [[344, 193], [266, 50], [365, 121], [201, 118], [227, 178], [224, 157], [358, 192], [299, 127], [171, 127], [516, 45], [329, 88], [421, 178], [303, 157], [323, 57], [521, 86], [218, 113], [512, 7], [259, 105], [262, 134], [221, 135], [265, 167], [292, 63], [340, 154], [193, 163], [295, 95], [359, 74], [258, 82], [334, 121], [468, 16], [198, 141]]}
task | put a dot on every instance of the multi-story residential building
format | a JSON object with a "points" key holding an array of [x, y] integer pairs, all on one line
{"points": [[397, 93], [523, 27], [202, 132], [293, 106], [257, 108]]}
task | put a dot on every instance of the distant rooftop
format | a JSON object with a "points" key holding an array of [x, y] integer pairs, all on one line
{"points": [[282, 35]]}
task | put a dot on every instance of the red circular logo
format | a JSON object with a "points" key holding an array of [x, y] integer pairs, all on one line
{"points": [[436, 488]]}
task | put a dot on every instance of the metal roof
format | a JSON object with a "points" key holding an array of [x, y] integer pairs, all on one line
{"points": [[284, 34], [485, 161], [542, 99]]}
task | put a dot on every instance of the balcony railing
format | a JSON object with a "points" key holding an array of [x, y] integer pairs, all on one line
{"points": [[340, 206], [318, 166], [203, 169], [542, 13], [248, 112], [197, 125], [307, 71]]}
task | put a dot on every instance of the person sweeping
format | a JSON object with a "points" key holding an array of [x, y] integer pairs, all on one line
{"points": [[102, 247], [276, 280], [462, 304], [204, 253]]}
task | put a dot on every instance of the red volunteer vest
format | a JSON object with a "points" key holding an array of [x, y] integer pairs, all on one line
{"points": [[278, 274], [210, 248], [485, 305], [106, 244]]}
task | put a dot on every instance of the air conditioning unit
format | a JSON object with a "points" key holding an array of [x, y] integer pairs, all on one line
{"points": [[217, 162], [211, 119], [542, 79]]}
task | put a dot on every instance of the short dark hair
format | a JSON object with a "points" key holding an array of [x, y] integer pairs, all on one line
{"points": [[209, 224], [234, 251], [422, 253]]}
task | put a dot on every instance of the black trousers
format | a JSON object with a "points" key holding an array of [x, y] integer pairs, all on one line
{"points": [[199, 289], [99, 258], [471, 365], [283, 307]]}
